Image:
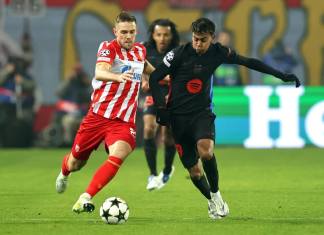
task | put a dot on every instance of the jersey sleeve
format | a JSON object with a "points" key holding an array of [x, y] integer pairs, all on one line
{"points": [[228, 54], [106, 53], [231, 57], [171, 58]]}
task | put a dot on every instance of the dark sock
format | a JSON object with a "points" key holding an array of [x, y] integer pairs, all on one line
{"points": [[150, 150], [169, 153], [202, 185], [210, 168]]}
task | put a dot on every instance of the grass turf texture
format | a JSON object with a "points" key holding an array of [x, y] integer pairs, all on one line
{"points": [[268, 192]]}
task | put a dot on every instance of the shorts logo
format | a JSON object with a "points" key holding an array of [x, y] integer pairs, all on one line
{"points": [[104, 53], [194, 86], [179, 149], [77, 148], [132, 132]]}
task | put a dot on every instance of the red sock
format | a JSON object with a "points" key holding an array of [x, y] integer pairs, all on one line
{"points": [[65, 169], [104, 174]]}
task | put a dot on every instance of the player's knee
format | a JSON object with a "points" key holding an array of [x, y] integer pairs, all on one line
{"points": [[195, 172], [149, 131], [205, 151], [75, 164]]}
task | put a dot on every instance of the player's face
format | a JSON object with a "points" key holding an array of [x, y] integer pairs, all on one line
{"points": [[125, 33], [162, 36], [201, 42]]}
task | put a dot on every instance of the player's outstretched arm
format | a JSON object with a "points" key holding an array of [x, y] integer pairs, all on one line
{"points": [[258, 65], [103, 73]]}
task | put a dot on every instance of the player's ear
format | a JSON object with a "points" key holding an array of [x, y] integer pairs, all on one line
{"points": [[115, 31], [214, 39]]}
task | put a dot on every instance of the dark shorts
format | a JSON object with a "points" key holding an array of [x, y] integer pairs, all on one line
{"points": [[149, 107], [187, 130]]}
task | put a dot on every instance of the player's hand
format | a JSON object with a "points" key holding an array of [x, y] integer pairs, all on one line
{"points": [[289, 77], [145, 86], [126, 76], [163, 116]]}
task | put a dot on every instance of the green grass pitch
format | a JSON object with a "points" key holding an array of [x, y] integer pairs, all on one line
{"points": [[268, 192]]}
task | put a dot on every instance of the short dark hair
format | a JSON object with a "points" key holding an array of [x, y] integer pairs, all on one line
{"points": [[125, 17], [203, 25], [165, 23]]}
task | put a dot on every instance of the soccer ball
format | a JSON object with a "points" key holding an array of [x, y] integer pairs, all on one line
{"points": [[114, 210]]}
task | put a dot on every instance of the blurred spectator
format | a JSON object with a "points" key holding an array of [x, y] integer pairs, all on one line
{"points": [[72, 105], [226, 74], [281, 58], [16, 100], [8, 48]]}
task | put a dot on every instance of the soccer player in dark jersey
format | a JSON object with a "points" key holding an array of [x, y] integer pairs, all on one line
{"points": [[188, 109], [163, 37]]}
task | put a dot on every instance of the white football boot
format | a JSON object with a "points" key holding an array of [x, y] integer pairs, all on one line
{"points": [[217, 208], [152, 183], [83, 204], [61, 183], [163, 178]]}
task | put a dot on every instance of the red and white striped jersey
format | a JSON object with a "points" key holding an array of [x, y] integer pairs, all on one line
{"points": [[114, 99]]}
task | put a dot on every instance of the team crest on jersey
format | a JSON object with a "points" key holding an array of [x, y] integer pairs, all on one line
{"points": [[104, 52]]}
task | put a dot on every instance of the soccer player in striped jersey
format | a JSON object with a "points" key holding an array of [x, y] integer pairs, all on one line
{"points": [[111, 116]]}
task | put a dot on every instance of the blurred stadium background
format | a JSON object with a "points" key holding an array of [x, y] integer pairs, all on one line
{"points": [[65, 34]]}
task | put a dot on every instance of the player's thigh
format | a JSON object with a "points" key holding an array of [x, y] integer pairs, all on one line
{"points": [[120, 135], [120, 149], [186, 149], [88, 138], [203, 126]]}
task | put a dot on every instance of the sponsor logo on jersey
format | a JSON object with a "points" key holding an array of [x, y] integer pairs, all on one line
{"points": [[194, 86], [136, 76]]}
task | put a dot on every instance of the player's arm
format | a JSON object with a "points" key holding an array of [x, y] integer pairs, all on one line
{"points": [[145, 82], [148, 69], [103, 73], [259, 66], [158, 74], [162, 114]]}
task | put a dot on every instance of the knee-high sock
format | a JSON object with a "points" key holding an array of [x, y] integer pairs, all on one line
{"points": [[210, 168], [150, 150], [202, 185], [104, 174], [169, 153], [65, 169]]}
